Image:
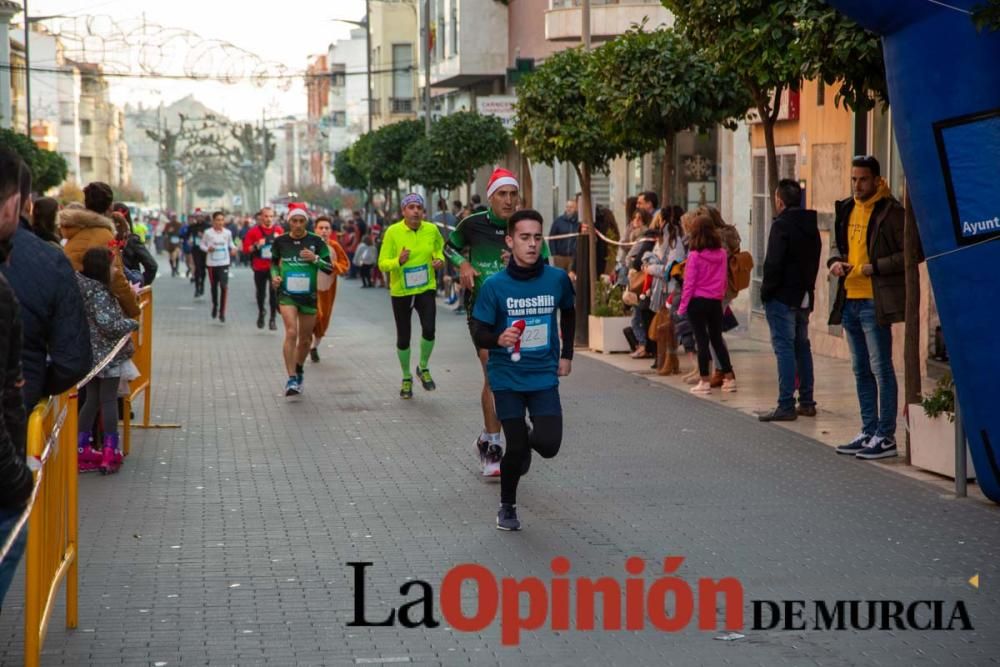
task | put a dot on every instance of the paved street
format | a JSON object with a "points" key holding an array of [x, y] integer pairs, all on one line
{"points": [[226, 542]]}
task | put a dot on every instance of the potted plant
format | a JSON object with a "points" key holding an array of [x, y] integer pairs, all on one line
{"points": [[932, 431], [606, 323]]}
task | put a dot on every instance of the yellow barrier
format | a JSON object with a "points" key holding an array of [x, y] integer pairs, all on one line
{"points": [[142, 339], [51, 553]]}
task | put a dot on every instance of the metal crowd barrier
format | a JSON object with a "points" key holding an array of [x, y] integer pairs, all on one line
{"points": [[142, 339], [52, 555], [52, 552]]}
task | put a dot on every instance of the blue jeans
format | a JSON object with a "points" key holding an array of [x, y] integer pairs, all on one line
{"points": [[637, 328], [9, 565], [790, 341], [871, 354]]}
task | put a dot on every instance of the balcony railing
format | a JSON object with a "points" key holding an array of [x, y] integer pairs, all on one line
{"points": [[401, 105]]}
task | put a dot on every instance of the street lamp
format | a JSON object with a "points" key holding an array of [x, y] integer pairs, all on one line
{"points": [[28, 20]]}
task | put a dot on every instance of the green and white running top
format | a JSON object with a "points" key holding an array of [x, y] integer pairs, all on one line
{"points": [[298, 277], [416, 275]]}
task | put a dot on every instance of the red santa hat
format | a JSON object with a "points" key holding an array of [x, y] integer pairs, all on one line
{"points": [[297, 208], [500, 178]]}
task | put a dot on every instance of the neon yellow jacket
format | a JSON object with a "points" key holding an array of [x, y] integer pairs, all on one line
{"points": [[417, 275]]}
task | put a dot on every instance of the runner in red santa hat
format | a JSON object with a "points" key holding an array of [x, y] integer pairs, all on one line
{"points": [[477, 247]]}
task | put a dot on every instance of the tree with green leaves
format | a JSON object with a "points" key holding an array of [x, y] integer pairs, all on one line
{"points": [[347, 175], [457, 146], [770, 46], [378, 155], [48, 168], [654, 84], [558, 119]]}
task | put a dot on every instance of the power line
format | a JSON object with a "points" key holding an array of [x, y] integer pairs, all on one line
{"points": [[200, 77]]}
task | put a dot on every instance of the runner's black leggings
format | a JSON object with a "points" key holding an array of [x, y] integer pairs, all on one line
{"points": [[426, 308], [545, 438], [262, 281], [199, 269], [218, 276]]}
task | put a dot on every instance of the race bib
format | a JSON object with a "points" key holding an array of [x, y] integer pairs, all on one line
{"points": [[415, 276], [220, 254], [175, 239], [265, 251], [297, 283], [536, 332]]}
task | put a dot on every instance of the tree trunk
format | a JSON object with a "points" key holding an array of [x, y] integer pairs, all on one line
{"points": [[768, 111], [584, 289], [668, 170], [588, 208], [527, 188], [911, 331]]}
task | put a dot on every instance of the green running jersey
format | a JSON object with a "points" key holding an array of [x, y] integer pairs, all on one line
{"points": [[298, 277], [482, 237]]}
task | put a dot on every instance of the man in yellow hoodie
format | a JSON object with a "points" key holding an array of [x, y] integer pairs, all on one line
{"points": [[867, 259]]}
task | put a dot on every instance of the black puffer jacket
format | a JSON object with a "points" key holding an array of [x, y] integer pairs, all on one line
{"points": [[56, 352], [15, 477], [136, 257]]}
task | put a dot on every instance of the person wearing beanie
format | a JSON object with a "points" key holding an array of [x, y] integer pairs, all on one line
{"points": [[477, 247], [412, 251]]}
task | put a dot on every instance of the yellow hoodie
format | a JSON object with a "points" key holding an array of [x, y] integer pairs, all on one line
{"points": [[858, 285]]}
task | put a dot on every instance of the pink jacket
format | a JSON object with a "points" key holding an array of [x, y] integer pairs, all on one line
{"points": [[706, 274]]}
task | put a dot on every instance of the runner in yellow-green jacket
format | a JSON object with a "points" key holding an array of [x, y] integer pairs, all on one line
{"points": [[412, 249]]}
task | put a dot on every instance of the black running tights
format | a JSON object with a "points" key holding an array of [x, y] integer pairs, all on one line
{"points": [[545, 438], [263, 285], [426, 308]]}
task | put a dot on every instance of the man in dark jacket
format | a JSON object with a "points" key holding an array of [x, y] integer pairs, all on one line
{"points": [[135, 256], [564, 250], [867, 259], [56, 352], [788, 292], [15, 477]]}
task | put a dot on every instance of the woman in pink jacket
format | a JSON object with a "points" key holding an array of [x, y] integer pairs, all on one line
{"points": [[705, 280]]}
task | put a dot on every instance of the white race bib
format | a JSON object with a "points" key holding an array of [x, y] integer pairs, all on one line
{"points": [[265, 251], [175, 239], [297, 283], [416, 276], [220, 254], [536, 333]]}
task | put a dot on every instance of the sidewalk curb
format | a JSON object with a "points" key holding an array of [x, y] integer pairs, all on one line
{"points": [[831, 420]]}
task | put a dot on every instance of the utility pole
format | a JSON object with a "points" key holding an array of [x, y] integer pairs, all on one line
{"points": [[586, 253], [159, 167], [368, 62], [427, 67], [263, 156], [27, 66]]}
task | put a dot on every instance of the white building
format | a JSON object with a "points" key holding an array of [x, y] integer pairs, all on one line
{"points": [[348, 91]]}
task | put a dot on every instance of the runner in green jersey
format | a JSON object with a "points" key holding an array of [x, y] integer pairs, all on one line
{"points": [[296, 258], [477, 247], [412, 250]]}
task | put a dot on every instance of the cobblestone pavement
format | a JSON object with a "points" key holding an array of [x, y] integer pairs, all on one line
{"points": [[227, 542]]}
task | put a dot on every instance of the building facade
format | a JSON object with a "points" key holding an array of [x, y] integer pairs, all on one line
{"points": [[394, 41]]}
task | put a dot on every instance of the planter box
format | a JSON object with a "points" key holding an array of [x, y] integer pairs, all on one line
{"points": [[606, 333], [932, 443]]}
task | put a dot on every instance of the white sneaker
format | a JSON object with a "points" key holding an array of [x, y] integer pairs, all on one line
{"points": [[701, 388], [491, 466]]}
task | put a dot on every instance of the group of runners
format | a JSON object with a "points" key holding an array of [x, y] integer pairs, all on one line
{"points": [[518, 307]]}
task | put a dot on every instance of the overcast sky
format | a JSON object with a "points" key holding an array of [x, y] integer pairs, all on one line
{"points": [[290, 32]]}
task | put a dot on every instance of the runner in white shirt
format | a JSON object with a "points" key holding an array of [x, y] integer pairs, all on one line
{"points": [[217, 243]]}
